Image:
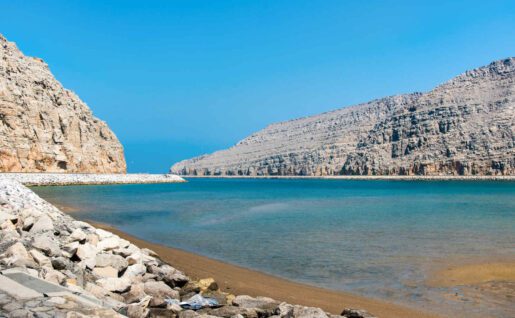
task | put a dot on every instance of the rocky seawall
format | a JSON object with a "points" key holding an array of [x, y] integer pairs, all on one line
{"points": [[50, 179], [54, 266], [463, 127], [45, 127]]}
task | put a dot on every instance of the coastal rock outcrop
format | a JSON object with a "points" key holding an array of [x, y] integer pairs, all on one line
{"points": [[68, 268], [45, 127], [462, 127]]}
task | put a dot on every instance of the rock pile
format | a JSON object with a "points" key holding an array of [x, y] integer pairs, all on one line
{"points": [[54, 266]]}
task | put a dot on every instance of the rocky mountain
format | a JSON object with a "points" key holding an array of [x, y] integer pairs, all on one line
{"points": [[45, 127], [462, 127]]}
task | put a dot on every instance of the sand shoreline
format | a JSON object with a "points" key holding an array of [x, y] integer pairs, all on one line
{"points": [[242, 281]]}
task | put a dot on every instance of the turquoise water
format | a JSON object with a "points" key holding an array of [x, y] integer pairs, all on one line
{"points": [[375, 238]]}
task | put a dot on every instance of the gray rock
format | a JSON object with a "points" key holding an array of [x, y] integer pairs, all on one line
{"points": [[43, 224], [119, 285], [230, 311], [77, 235], [17, 255], [40, 258], [61, 263], [159, 292], [47, 243], [134, 271], [169, 275], [308, 312], [109, 243], [87, 253], [356, 313], [255, 302], [108, 259]]}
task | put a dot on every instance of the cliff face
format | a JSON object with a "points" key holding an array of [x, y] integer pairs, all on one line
{"points": [[45, 127], [463, 127]]}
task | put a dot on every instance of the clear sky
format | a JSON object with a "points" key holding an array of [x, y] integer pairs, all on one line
{"points": [[176, 79]]}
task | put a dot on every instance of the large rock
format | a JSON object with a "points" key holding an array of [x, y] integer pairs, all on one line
{"points": [[87, 253], [113, 284], [265, 304], [43, 224], [45, 127], [108, 259], [308, 312], [462, 127], [17, 255], [159, 292]]}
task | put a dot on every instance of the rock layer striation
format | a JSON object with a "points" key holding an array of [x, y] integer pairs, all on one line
{"points": [[45, 127], [462, 127]]}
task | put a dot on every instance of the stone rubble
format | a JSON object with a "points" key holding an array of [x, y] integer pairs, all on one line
{"points": [[101, 274]]}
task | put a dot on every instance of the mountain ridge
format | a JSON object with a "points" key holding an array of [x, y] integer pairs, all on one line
{"points": [[378, 137], [45, 127]]}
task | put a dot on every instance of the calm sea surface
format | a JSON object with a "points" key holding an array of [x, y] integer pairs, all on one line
{"points": [[375, 238]]}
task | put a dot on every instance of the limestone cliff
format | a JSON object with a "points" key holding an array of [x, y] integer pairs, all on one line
{"points": [[45, 127], [462, 127]]}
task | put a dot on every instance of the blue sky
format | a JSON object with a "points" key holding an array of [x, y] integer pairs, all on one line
{"points": [[175, 79]]}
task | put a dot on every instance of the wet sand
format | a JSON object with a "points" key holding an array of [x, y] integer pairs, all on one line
{"points": [[473, 274], [241, 281]]}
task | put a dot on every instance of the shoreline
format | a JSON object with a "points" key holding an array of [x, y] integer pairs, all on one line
{"points": [[365, 178], [243, 281], [62, 179]]}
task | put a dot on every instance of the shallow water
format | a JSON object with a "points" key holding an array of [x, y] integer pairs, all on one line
{"points": [[375, 238]]}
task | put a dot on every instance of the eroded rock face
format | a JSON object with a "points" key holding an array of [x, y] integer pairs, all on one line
{"points": [[45, 127], [462, 127]]}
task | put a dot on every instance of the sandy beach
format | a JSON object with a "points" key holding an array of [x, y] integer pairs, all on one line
{"points": [[239, 280]]}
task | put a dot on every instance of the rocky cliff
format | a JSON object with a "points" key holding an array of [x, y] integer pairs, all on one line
{"points": [[45, 127], [462, 127]]}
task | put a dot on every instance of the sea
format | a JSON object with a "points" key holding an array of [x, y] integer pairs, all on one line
{"points": [[379, 238]]}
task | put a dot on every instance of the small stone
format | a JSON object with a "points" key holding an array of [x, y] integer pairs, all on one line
{"points": [[356, 313], [207, 284], [61, 263], [28, 223]]}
